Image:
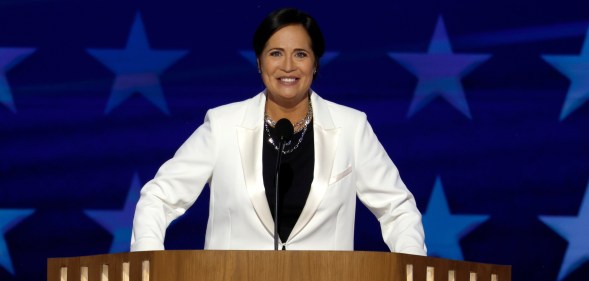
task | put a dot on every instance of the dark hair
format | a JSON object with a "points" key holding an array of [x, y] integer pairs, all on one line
{"points": [[289, 16]]}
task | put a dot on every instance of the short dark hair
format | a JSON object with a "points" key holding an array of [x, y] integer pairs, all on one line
{"points": [[289, 16]]}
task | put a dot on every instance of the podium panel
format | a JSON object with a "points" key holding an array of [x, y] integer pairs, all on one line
{"points": [[217, 265]]}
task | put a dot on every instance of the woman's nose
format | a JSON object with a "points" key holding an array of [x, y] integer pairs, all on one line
{"points": [[287, 64]]}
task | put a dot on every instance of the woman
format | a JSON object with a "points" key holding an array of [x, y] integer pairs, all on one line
{"points": [[332, 157]]}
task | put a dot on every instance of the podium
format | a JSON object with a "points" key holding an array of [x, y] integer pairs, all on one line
{"points": [[217, 265]]}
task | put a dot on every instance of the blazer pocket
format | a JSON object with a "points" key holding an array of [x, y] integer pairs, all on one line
{"points": [[341, 175]]}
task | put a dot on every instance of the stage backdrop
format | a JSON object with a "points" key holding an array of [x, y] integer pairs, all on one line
{"points": [[482, 105]]}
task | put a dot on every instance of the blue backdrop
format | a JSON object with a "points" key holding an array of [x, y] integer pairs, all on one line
{"points": [[481, 104]]}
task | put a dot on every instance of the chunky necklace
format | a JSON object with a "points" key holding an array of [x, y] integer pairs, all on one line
{"points": [[299, 126], [302, 125]]}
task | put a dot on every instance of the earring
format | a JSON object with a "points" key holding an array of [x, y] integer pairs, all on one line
{"points": [[259, 71]]}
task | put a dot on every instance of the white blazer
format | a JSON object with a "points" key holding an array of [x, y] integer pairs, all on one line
{"points": [[226, 152]]}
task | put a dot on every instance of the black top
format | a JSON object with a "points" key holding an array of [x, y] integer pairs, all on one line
{"points": [[296, 176]]}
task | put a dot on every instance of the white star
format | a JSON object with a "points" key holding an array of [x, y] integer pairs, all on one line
{"points": [[576, 68], [137, 68], [444, 229], [120, 222], [439, 72], [9, 57], [8, 219], [575, 229]]}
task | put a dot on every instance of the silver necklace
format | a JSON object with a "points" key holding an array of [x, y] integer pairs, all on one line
{"points": [[297, 126], [302, 125]]}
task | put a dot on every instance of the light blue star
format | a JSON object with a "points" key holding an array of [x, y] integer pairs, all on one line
{"points": [[120, 222], [251, 57], [575, 229], [576, 68], [9, 57], [439, 72], [8, 219], [137, 68], [444, 229]]}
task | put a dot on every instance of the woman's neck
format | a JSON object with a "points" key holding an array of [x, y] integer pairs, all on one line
{"points": [[293, 112]]}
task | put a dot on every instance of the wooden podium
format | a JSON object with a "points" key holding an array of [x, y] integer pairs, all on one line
{"points": [[214, 265]]}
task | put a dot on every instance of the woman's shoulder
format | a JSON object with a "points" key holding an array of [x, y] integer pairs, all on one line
{"points": [[236, 109], [344, 109], [228, 107], [342, 113]]}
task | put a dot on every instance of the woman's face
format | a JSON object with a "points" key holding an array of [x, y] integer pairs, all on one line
{"points": [[287, 64]]}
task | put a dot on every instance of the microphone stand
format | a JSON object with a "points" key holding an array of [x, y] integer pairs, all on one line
{"points": [[285, 131], [281, 145]]}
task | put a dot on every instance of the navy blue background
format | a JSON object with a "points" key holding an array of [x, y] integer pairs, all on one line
{"points": [[514, 160]]}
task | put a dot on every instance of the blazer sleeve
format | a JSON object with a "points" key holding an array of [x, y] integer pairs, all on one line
{"points": [[381, 189], [175, 187]]}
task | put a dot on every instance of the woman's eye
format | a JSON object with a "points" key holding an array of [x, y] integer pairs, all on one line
{"points": [[274, 53], [300, 54]]}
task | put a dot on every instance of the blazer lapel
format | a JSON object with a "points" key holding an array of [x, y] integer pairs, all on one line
{"points": [[326, 139], [249, 135]]}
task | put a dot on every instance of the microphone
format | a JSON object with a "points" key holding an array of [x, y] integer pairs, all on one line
{"points": [[285, 130]]}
